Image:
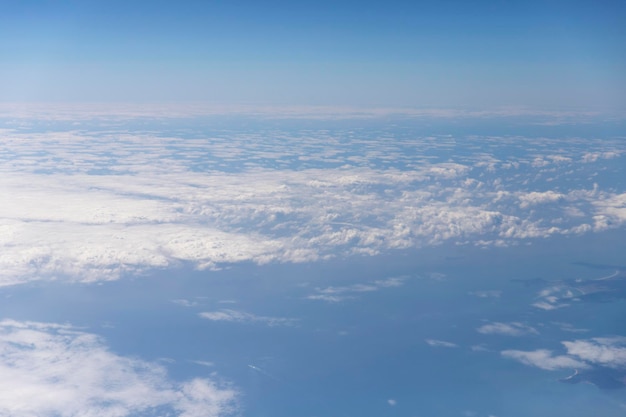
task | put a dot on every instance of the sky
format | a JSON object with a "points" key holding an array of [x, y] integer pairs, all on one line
{"points": [[483, 54]]}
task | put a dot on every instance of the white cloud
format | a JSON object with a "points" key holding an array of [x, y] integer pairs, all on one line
{"points": [[441, 343], [605, 351], [548, 306], [54, 370], [534, 198], [508, 329], [590, 157], [486, 293], [544, 359], [568, 327], [611, 211], [185, 303], [94, 206], [584, 354], [243, 317], [336, 294], [554, 297], [204, 363]]}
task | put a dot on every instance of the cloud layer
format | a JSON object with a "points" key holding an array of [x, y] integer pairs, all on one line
{"points": [[94, 204]]}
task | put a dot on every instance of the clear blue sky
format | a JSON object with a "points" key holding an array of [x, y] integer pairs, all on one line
{"points": [[546, 54]]}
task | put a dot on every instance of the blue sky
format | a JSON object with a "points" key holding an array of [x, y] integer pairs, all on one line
{"points": [[545, 54]]}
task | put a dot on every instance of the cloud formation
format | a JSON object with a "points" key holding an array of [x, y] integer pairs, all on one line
{"points": [[596, 354], [440, 343], [336, 294], [508, 329], [544, 359], [95, 204], [57, 371], [605, 351], [243, 317]]}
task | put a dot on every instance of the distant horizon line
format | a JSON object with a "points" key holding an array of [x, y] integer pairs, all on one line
{"points": [[63, 110]]}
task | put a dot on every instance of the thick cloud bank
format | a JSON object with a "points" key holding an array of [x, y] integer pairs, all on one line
{"points": [[95, 203]]}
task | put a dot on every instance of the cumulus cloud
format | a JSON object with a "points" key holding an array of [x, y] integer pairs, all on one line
{"points": [[534, 198], [606, 351], [595, 353], [590, 157], [611, 212], [243, 317], [544, 359], [55, 370], [508, 329]]}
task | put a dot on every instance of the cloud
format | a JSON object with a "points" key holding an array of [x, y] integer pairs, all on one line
{"points": [[599, 352], [610, 212], [590, 157], [544, 359], [337, 294], [55, 370], [243, 317], [441, 343], [563, 293], [534, 198], [103, 202], [568, 327], [204, 363], [185, 303], [508, 329], [486, 293], [607, 351]]}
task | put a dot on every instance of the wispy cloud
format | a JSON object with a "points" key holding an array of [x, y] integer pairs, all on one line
{"points": [[486, 293], [54, 370], [243, 317], [441, 343], [508, 329], [336, 294], [185, 303]]}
